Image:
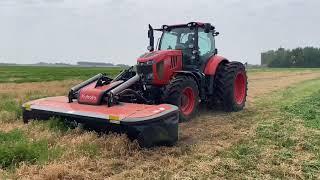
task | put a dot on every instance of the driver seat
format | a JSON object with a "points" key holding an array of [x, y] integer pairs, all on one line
{"points": [[187, 53]]}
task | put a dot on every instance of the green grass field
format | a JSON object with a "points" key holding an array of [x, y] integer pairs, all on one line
{"points": [[277, 136], [20, 74], [287, 130]]}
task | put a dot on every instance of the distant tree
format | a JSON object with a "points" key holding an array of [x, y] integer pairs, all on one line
{"points": [[298, 57]]}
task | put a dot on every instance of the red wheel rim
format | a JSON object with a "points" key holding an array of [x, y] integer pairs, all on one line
{"points": [[240, 88], [187, 101]]}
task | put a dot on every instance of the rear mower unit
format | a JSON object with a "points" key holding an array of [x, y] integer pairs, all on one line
{"points": [[166, 86]]}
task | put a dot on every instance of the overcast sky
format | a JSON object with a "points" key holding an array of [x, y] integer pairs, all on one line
{"points": [[115, 30]]}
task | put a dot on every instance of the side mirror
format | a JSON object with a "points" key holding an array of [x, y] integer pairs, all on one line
{"points": [[215, 51], [151, 38], [149, 33]]}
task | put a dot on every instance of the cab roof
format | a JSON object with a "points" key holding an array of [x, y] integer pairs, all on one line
{"points": [[190, 24]]}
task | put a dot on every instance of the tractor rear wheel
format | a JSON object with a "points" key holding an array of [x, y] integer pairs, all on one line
{"points": [[183, 92], [231, 86]]}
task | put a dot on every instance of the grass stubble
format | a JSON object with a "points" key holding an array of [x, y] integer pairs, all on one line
{"points": [[260, 142]]}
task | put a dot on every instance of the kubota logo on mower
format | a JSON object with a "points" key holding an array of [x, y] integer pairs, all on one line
{"points": [[88, 97]]}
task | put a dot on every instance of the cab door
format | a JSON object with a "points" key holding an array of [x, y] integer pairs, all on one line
{"points": [[206, 45]]}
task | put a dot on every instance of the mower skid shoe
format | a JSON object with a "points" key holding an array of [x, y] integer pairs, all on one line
{"points": [[150, 125]]}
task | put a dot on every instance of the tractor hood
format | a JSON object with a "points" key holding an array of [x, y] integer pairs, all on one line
{"points": [[158, 67], [158, 55]]}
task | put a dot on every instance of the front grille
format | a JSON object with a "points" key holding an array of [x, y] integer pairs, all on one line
{"points": [[144, 69], [160, 69], [174, 62]]}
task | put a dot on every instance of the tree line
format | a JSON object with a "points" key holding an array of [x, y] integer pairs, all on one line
{"points": [[299, 57]]}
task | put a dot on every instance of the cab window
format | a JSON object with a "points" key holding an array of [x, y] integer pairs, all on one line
{"points": [[177, 38], [206, 43], [169, 41]]}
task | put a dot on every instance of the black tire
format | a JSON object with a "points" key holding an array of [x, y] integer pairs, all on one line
{"points": [[173, 94], [225, 86]]}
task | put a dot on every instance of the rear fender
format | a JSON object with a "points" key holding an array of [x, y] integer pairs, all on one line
{"points": [[213, 64]]}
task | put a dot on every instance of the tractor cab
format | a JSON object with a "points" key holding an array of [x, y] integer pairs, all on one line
{"points": [[195, 40]]}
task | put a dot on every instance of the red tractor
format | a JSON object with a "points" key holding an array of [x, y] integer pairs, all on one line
{"points": [[185, 70], [165, 86]]}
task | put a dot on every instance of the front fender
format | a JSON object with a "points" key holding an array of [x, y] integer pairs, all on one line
{"points": [[196, 76]]}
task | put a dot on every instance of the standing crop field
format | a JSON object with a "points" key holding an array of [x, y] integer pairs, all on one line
{"points": [[21, 74], [276, 136]]}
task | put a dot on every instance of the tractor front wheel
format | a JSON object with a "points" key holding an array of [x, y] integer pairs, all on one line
{"points": [[183, 92], [231, 86]]}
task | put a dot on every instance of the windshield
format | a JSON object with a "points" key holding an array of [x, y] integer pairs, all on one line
{"points": [[178, 38]]}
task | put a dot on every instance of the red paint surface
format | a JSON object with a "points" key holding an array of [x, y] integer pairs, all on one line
{"points": [[92, 95], [123, 110], [240, 87], [164, 55], [213, 64], [187, 101]]}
